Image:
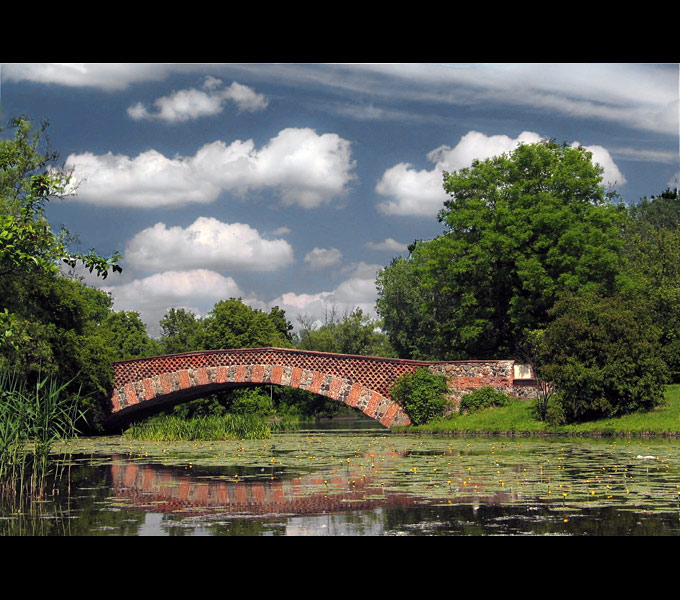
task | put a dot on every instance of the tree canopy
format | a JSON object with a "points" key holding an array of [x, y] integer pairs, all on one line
{"points": [[233, 324], [520, 229], [49, 324], [354, 333]]}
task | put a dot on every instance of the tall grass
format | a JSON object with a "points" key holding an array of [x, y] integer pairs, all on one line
{"points": [[32, 418], [169, 428]]}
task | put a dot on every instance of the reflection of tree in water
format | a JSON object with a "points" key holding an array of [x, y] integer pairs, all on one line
{"points": [[72, 508]]}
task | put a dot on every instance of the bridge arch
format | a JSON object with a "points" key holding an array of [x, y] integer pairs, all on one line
{"points": [[141, 385]]}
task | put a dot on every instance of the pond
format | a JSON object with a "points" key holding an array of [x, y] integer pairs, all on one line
{"points": [[360, 482]]}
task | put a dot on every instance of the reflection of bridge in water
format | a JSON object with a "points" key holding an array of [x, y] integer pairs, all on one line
{"points": [[165, 489], [362, 382]]}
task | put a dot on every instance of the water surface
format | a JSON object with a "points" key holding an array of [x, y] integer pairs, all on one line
{"points": [[369, 482]]}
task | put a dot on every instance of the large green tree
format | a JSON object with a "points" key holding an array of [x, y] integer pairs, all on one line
{"points": [[49, 324], [126, 336], [353, 333], [520, 230], [180, 331], [233, 324], [652, 240], [602, 354]]}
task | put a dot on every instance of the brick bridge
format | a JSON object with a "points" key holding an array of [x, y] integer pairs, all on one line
{"points": [[145, 384]]}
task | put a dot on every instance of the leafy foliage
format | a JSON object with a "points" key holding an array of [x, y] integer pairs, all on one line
{"points": [[354, 333], [652, 238], [483, 398], [521, 229], [126, 336], [602, 354], [171, 428], [422, 394], [233, 324], [28, 180], [50, 325]]}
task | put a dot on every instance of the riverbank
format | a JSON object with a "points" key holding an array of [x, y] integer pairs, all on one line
{"points": [[517, 419]]}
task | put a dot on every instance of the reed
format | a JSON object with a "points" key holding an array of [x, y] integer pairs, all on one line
{"points": [[169, 428], [32, 418]]}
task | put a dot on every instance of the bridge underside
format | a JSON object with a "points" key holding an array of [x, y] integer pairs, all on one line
{"points": [[143, 396]]}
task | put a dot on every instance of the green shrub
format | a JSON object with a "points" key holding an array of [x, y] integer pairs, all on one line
{"points": [[250, 401], [422, 394], [602, 354], [485, 397]]}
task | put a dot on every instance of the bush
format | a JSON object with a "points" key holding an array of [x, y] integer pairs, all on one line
{"points": [[485, 397], [251, 401], [603, 356], [422, 394]]}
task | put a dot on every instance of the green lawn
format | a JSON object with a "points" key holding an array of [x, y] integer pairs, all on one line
{"points": [[517, 418]]}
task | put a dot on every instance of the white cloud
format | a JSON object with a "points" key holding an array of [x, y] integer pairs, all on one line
{"points": [[389, 244], [149, 180], [184, 105], [412, 192], [196, 290], [420, 193], [104, 76], [674, 181], [322, 258], [199, 289], [304, 168], [358, 290], [647, 155], [639, 95], [207, 243], [475, 145], [283, 230], [611, 175]]}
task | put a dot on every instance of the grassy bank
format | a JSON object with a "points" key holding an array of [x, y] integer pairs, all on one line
{"points": [[518, 419]]}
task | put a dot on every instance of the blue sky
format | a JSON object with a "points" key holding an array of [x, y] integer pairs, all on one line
{"points": [[292, 184]]}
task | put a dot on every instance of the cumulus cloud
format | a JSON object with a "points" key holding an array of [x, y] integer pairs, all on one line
{"points": [[149, 180], [322, 258], [184, 105], [207, 243], [358, 290], [199, 289], [420, 192], [388, 244], [302, 167], [611, 175], [196, 290]]}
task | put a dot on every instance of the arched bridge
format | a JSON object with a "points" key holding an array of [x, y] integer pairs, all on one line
{"points": [[362, 382]]}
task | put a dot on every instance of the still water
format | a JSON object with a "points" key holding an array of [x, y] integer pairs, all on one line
{"points": [[360, 482]]}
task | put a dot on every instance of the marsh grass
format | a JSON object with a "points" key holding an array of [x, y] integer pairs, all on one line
{"points": [[169, 428], [32, 418], [519, 417]]}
